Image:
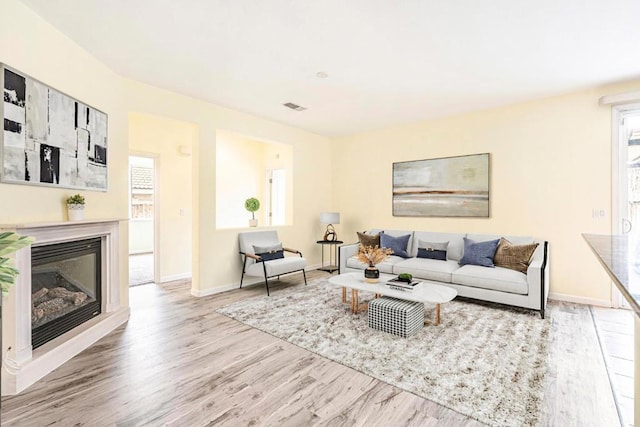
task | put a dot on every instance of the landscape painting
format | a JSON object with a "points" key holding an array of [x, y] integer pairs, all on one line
{"points": [[50, 138], [445, 187]]}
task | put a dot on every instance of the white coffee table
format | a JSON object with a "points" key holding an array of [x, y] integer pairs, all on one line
{"points": [[424, 292]]}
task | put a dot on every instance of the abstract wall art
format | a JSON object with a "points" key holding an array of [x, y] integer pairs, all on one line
{"points": [[445, 187], [50, 138]]}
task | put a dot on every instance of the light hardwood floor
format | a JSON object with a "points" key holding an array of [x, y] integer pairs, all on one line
{"points": [[177, 362]]}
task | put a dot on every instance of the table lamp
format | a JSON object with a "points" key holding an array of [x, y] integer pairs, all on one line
{"points": [[330, 218]]}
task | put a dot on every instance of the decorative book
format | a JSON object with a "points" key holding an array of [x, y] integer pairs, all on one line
{"points": [[402, 285]]}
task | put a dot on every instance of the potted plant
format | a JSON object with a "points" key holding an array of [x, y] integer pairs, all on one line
{"points": [[372, 255], [252, 205], [75, 207], [9, 243]]}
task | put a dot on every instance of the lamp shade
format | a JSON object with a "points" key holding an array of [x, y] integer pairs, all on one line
{"points": [[330, 218]]}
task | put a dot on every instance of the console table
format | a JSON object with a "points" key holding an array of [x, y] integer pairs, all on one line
{"points": [[333, 254], [617, 254]]}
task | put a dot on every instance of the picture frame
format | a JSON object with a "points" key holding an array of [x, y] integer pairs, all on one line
{"points": [[455, 186], [50, 138]]}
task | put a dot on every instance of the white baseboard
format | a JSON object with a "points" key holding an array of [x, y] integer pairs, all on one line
{"points": [[246, 283], [174, 277], [579, 300]]}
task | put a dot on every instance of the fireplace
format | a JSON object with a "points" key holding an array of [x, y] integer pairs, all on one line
{"points": [[65, 287], [78, 264]]}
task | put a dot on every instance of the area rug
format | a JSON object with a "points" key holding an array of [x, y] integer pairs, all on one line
{"points": [[483, 360]]}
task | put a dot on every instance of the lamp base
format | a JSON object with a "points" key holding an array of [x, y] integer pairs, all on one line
{"points": [[330, 234]]}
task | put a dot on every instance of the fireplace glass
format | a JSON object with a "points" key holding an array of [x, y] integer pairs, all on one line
{"points": [[65, 287]]}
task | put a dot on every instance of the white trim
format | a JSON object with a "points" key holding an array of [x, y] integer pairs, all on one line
{"points": [[621, 98], [155, 157], [174, 277], [579, 300], [248, 282], [31, 365]]}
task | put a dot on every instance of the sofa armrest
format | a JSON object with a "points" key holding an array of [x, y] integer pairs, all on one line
{"points": [[538, 276], [344, 253]]}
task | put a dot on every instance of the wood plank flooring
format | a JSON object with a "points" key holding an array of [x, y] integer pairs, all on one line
{"points": [[178, 363]]}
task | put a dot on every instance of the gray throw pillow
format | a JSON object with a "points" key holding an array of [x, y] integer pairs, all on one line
{"points": [[434, 250], [479, 253]]}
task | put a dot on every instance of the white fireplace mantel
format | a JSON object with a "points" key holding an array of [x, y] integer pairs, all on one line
{"points": [[23, 366]]}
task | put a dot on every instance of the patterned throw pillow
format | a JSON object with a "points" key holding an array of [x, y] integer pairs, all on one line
{"points": [[268, 253], [397, 244], [433, 250], [479, 253], [515, 257], [369, 239]]}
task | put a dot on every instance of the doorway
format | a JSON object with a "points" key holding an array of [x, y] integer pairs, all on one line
{"points": [[142, 220], [626, 179]]}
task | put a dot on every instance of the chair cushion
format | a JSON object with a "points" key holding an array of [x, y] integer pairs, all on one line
{"points": [[479, 253], [497, 279], [430, 269], [384, 267], [277, 266]]}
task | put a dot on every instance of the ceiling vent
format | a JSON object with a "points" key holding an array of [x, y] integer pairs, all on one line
{"points": [[294, 106]]}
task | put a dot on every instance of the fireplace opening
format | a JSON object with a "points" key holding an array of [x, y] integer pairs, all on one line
{"points": [[65, 287]]}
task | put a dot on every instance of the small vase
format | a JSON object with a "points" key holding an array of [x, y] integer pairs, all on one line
{"points": [[253, 223], [371, 274], [75, 212]]}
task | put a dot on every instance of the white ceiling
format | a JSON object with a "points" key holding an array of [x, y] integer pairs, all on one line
{"points": [[389, 61]]}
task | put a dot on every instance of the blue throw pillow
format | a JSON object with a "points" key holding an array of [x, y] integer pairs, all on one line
{"points": [[479, 253], [268, 253], [397, 244]]}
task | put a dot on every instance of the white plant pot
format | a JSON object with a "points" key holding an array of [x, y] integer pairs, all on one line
{"points": [[75, 212], [253, 223]]}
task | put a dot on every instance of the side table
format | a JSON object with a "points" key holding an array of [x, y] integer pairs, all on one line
{"points": [[333, 254]]}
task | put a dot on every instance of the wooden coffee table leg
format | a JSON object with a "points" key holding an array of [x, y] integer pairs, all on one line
{"points": [[354, 301], [344, 294], [437, 314]]}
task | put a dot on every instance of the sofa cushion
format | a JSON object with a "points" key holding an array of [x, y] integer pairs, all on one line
{"points": [[366, 239], [497, 279], [431, 250], [515, 257], [429, 269], [397, 244], [454, 249], [384, 267], [479, 253]]}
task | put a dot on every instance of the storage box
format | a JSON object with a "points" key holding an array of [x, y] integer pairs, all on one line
{"points": [[396, 316]]}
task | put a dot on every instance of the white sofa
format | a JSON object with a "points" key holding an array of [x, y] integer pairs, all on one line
{"points": [[497, 284]]}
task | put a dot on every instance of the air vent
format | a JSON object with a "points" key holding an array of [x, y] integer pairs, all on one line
{"points": [[294, 106]]}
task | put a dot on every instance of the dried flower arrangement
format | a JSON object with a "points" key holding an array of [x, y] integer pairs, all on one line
{"points": [[373, 255]]}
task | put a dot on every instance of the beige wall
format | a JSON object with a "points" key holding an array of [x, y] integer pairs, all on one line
{"points": [[33, 47], [216, 263], [239, 175], [550, 166], [161, 137]]}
